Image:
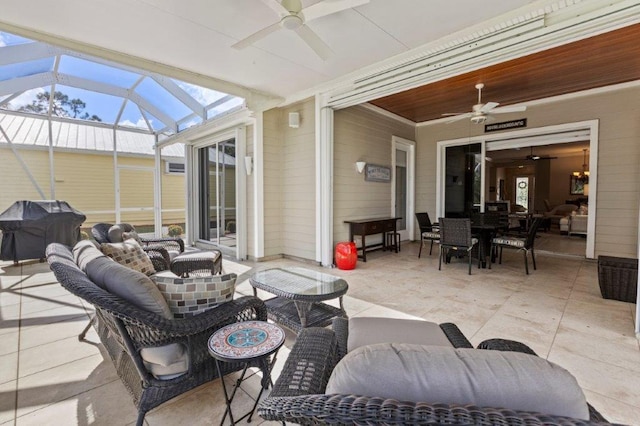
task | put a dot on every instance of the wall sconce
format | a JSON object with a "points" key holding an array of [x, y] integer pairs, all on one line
{"points": [[248, 165], [294, 120], [360, 166]]}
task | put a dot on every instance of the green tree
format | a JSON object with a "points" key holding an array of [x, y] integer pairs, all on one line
{"points": [[61, 106]]}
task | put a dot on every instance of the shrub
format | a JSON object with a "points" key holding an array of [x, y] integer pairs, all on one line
{"points": [[175, 230]]}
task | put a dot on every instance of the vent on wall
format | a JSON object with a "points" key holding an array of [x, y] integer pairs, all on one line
{"points": [[174, 168]]}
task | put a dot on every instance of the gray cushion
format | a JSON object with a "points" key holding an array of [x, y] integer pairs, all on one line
{"points": [[115, 232], [164, 362], [368, 331], [485, 378], [132, 286], [84, 252], [432, 235]]}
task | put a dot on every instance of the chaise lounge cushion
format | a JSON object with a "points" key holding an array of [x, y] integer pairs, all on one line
{"points": [[483, 378], [365, 331]]}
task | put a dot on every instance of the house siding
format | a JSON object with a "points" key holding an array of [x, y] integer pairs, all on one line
{"points": [[86, 181], [361, 134]]}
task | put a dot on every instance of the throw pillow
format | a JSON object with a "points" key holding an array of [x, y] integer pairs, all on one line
{"points": [[130, 254], [191, 296], [485, 378], [131, 234]]}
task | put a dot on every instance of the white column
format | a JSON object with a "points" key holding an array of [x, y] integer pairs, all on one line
{"points": [[324, 183], [258, 185], [157, 191]]}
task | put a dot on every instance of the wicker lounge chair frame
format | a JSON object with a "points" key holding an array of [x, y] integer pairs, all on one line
{"points": [[298, 394], [124, 329]]}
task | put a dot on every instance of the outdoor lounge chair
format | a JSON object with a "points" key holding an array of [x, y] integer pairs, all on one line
{"points": [[299, 394], [133, 336]]}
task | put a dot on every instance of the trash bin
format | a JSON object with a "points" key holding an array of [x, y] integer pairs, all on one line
{"points": [[346, 255]]}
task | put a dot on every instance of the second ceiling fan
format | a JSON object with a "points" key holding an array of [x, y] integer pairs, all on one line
{"points": [[481, 112], [294, 18]]}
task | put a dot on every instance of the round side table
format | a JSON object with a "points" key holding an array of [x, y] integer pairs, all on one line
{"points": [[246, 342]]}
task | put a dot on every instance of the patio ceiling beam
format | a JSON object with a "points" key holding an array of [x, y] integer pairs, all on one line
{"points": [[109, 89], [212, 105], [188, 100], [20, 84], [27, 52]]}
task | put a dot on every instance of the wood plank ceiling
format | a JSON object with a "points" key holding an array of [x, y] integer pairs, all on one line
{"points": [[598, 61]]}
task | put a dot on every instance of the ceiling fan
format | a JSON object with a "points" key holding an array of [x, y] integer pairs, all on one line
{"points": [[294, 18], [534, 157], [481, 112]]}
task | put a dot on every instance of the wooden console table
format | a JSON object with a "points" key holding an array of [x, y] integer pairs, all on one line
{"points": [[364, 227]]}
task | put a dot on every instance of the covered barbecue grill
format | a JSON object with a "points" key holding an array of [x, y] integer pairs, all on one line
{"points": [[29, 226]]}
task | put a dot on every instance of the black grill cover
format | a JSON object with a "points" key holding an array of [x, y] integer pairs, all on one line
{"points": [[29, 226]]}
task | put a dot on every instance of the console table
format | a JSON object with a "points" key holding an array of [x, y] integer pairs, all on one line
{"points": [[364, 227]]}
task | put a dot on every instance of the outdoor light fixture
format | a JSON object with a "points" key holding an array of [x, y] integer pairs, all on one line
{"points": [[248, 164], [360, 166], [583, 175], [294, 120]]}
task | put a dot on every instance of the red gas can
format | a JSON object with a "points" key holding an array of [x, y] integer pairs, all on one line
{"points": [[346, 255]]}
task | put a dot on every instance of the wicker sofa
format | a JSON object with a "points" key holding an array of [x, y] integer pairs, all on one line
{"points": [[126, 331], [299, 395]]}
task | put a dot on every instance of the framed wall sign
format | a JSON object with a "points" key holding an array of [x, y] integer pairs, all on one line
{"points": [[375, 173]]}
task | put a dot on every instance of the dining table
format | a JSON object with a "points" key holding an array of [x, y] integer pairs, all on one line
{"points": [[485, 227]]}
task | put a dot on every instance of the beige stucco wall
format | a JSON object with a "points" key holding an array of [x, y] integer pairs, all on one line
{"points": [[618, 160], [86, 181], [361, 134]]}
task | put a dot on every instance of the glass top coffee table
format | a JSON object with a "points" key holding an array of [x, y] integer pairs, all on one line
{"points": [[299, 296]]}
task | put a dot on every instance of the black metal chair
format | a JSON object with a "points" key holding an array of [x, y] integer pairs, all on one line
{"points": [[455, 234], [428, 231], [525, 244]]}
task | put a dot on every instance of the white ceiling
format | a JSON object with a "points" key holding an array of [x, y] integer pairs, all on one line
{"points": [[197, 35]]}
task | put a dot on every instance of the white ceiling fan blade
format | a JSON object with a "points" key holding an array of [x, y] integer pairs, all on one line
{"points": [[314, 42], [459, 117], [489, 106], [277, 7], [246, 42], [512, 108], [325, 8]]}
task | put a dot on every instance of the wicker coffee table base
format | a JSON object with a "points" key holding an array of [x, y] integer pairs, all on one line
{"points": [[297, 315]]}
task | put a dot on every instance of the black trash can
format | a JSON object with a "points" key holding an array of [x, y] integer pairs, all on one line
{"points": [[29, 226], [618, 278]]}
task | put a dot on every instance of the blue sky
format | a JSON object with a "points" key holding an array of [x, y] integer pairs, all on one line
{"points": [[107, 107]]}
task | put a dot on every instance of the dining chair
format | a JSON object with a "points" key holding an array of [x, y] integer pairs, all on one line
{"points": [[524, 244], [428, 231], [455, 234]]}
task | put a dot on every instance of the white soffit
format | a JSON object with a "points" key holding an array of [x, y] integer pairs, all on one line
{"points": [[536, 31]]}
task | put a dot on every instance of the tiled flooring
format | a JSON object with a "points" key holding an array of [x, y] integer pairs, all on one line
{"points": [[48, 377]]}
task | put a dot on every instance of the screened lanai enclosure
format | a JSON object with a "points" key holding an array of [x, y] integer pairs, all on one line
{"points": [[87, 131]]}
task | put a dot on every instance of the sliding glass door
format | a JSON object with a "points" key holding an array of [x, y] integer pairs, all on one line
{"points": [[463, 193], [217, 197]]}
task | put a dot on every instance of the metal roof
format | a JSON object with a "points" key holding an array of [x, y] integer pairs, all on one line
{"points": [[32, 131]]}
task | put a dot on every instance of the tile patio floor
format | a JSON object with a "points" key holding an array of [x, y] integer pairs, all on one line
{"points": [[48, 377]]}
